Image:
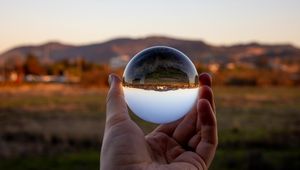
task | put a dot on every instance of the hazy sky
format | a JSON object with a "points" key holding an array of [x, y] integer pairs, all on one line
{"points": [[86, 21]]}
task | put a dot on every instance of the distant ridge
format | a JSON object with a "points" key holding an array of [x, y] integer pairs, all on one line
{"points": [[197, 50]]}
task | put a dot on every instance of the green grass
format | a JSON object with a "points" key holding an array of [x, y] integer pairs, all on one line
{"points": [[258, 159], [65, 161], [61, 127], [243, 159]]}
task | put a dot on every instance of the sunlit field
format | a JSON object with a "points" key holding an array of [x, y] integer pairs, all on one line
{"points": [[60, 127]]}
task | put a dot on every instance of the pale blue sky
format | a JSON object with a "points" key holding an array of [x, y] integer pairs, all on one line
{"points": [[220, 22]]}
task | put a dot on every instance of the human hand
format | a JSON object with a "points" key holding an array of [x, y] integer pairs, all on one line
{"points": [[189, 143]]}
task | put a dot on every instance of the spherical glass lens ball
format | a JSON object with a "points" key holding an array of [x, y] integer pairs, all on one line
{"points": [[160, 84]]}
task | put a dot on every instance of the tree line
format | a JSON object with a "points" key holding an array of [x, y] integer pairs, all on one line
{"points": [[92, 74]]}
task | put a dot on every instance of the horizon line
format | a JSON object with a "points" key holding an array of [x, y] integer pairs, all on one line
{"points": [[150, 36]]}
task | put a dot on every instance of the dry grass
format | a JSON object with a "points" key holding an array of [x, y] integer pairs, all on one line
{"points": [[50, 119]]}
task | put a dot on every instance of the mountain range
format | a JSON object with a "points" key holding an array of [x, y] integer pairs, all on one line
{"points": [[196, 50]]}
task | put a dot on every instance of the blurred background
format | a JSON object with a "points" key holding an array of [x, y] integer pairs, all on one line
{"points": [[55, 58]]}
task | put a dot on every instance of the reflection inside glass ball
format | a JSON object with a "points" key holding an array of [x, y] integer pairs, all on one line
{"points": [[160, 84]]}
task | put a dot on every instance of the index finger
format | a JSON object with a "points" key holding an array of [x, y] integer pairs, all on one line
{"points": [[209, 137]]}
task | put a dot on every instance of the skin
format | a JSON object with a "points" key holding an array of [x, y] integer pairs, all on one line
{"points": [[187, 144]]}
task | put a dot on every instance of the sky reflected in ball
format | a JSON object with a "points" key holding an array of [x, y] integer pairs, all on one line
{"points": [[160, 84]]}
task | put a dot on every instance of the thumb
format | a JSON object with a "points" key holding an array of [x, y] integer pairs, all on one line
{"points": [[116, 108]]}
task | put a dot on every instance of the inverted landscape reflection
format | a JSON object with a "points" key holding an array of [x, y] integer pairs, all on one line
{"points": [[160, 84]]}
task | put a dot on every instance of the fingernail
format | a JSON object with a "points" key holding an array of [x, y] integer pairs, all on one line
{"points": [[110, 80]]}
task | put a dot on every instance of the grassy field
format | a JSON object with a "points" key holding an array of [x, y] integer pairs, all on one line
{"points": [[61, 127]]}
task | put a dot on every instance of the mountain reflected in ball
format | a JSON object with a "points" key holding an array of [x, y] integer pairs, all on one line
{"points": [[160, 84]]}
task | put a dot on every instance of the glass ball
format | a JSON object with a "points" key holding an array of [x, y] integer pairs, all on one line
{"points": [[160, 84]]}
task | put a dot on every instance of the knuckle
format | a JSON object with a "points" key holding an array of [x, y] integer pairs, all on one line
{"points": [[206, 87], [116, 119], [113, 94]]}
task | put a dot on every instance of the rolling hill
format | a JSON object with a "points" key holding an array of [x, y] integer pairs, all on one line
{"points": [[198, 51]]}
